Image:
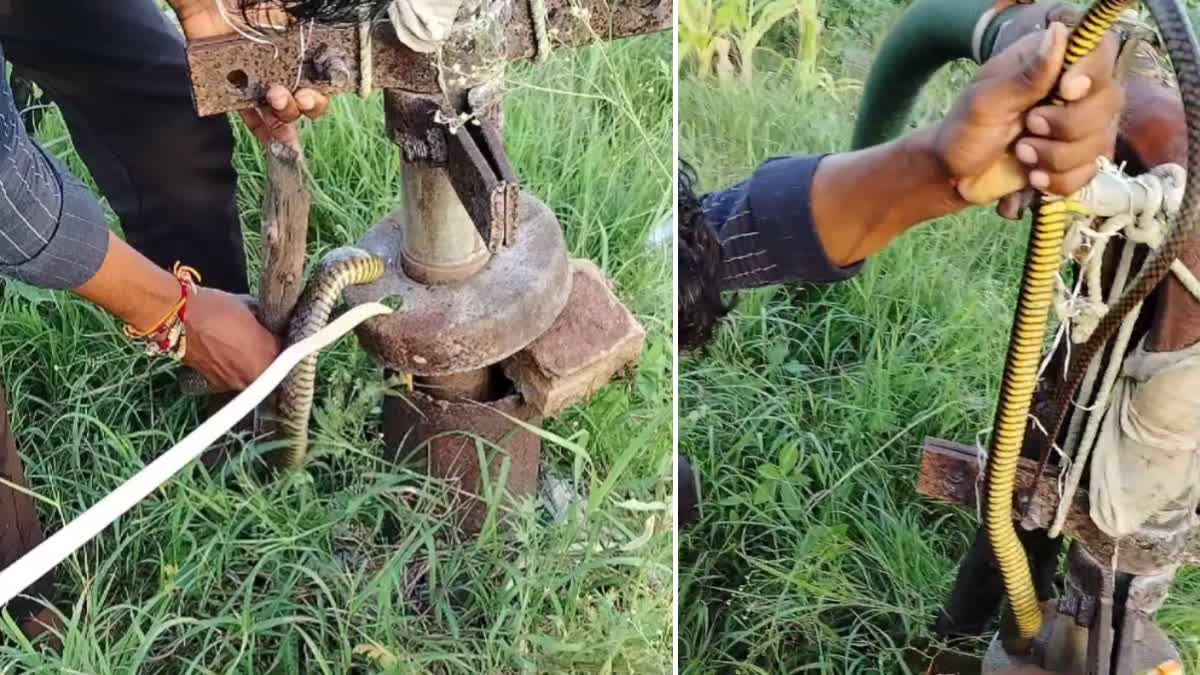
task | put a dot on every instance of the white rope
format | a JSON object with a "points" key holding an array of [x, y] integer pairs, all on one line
{"points": [[300, 56], [1131, 206], [1186, 278], [1089, 381], [366, 63], [1137, 208], [47, 555], [250, 33], [1111, 370], [540, 29]]}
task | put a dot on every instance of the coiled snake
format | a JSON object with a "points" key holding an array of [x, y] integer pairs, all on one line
{"points": [[340, 268]]}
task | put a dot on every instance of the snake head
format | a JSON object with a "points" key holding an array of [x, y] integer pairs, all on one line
{"points": [[342, 254]]}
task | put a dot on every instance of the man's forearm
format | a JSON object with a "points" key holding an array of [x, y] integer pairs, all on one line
{"points": [[863, 200], [131, 287]]}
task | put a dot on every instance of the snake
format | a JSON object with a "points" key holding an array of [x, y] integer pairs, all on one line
{"points": [[931, 34], [337, 270], [1037, 283]]}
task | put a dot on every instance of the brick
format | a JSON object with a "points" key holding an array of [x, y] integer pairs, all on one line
{"points": [[594, 338]]}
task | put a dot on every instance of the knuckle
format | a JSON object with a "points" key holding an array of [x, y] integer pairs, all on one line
{"points": [[975, 105]]}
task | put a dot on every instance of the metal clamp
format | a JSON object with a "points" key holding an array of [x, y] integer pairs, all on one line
{"points": [[480, 170], [467, 142]]}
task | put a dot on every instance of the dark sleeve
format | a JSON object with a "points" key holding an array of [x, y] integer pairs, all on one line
{"points": [[766, 228]]}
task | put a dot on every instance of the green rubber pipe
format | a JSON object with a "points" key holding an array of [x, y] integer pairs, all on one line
{"points": [[929, 35]]}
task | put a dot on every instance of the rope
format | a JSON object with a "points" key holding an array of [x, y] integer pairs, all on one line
{"points": [[1137, 208], [1131, 206], [245, 30], [366, 67], [47, 555], [537, 8]]}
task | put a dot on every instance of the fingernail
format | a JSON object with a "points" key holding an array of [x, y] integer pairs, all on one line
{"points": [[1026, 154], [304, 100], [1039, 179], [1075, 86], [1038, 125]]}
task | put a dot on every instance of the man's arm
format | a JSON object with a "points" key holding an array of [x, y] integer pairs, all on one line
{"points": [[226, 343], [813, 219], [53, 234]]}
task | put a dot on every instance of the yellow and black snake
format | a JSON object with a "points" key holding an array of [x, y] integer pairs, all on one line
{"points": [[1037, 285], [337, 270]]}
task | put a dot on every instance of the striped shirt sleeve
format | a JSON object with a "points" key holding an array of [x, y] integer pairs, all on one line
{"points": [[53, 233], [766, 228]]}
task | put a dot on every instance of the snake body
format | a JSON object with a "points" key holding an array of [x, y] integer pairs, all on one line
{"points": [[338, 269]]}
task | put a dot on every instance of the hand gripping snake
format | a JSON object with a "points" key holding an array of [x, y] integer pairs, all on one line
{"points": [[1037, 284], [336, 271], [933, 33]]}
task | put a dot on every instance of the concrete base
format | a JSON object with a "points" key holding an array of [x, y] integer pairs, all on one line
{"points": [[593, 339], [1066, 648]]}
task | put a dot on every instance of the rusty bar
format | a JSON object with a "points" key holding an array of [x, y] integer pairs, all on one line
{"points": [[441, 244], [449, 435], [950, 474], [231, 73]]}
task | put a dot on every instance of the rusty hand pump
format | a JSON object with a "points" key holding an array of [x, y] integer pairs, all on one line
{"points": [[494, 309]]}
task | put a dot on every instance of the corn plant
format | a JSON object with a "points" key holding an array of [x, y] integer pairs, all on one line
{"points": [[699, 34], [721, 36], [810, 40]]}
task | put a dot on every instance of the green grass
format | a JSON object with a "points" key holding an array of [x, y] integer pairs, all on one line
{"points": [[230, 575], [817, 400]]}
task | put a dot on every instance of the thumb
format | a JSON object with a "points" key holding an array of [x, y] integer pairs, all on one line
{"points": [[1025, 73]]}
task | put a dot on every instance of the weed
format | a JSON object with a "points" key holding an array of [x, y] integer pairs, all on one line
{"points": [[226, 574], [805, 419]]}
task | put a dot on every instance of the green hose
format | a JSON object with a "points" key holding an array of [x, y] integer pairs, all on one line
{"points": [[931, 34]]}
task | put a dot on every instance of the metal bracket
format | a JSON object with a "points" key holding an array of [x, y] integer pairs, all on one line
{"points": [[231, 72], [468, 144], [480, 170]]}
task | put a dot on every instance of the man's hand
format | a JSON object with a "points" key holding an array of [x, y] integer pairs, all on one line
{"points": [[273, 120], [225, 342], [1055, 147]]}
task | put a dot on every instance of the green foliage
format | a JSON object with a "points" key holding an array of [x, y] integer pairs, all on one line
{"points": [[350, 566], [715, 33], [842, 383]]}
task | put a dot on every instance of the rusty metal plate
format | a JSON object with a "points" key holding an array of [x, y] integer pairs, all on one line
{"points": [[446, 433], [478, 322], [950, 474], [232, 72]]}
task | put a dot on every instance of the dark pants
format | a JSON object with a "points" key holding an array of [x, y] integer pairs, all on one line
{"points": [[116, 70]]}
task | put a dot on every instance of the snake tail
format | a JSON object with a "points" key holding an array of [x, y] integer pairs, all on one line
{"points": [[1024, 356], [339, 269]]}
